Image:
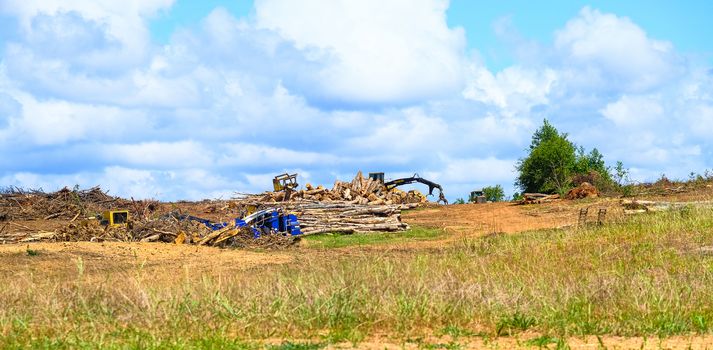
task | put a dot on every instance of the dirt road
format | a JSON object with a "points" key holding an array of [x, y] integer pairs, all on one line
{"points": [[480, 219]]}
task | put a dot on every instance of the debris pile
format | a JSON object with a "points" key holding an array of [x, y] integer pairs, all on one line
{"points": [[538, 198], [165, 229], [360, 205], [584, 190], [361, 191], [643, 206], [19, 204]]}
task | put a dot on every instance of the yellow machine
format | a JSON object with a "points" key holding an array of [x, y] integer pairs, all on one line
{"points": [[284, 182], [115, 218]]}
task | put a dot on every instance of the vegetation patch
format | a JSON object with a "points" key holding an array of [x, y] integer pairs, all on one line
{"points": [[340, 240]]}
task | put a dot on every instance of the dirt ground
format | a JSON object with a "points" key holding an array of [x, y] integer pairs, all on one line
{"points": [[506, 217], [521, 342], [61, 258]]}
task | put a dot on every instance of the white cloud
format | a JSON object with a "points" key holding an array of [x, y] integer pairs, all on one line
{"points": [[373, 51], [407, 134], [123, 21], [159, 155], [477, 170], [56, 122], [633, 111], [513, 90], [243, 154], [604, 47]]}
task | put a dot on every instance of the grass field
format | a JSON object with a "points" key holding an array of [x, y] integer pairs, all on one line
{"points": [[372, 238], [651, 275]]}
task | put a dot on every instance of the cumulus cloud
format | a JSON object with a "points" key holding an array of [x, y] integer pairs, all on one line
{"points": [[42, 21], [372, 51], [632, 111], [514, 90], [606, 50]]}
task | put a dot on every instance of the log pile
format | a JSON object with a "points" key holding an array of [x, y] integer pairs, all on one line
{"points": [[538, 198], [345, 217], [361, 191]]}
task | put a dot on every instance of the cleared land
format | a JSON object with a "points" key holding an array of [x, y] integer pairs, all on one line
{"points": [[465, 277]]}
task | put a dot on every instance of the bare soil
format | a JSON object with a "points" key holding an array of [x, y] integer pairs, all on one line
{"points": [[97, 259]]}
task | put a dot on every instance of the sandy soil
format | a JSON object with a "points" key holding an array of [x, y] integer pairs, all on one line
{"points": [[521, 342], [480, 219], [57, 259]]}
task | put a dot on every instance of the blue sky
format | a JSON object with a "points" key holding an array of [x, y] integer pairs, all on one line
{"points": [[188, 99]]}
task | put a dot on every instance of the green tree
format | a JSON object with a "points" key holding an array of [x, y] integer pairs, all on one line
{"points": [[494, 193], [545, 133], [591, 165], [550, 164], [554, 163]]}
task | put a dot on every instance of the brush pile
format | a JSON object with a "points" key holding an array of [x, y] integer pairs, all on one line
{"points": [[361, 191], [19, 204], [584, 190], [167, 229]]}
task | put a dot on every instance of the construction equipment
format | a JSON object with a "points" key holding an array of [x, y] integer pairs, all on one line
{"points": [[377, 177], [477, 196], [114, 218], [285, 182], [263, 222], [415, 178]]}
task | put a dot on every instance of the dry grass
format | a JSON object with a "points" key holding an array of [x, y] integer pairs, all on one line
{"points": [[647, 276]]}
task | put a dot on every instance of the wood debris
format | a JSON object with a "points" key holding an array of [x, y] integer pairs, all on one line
{"points": [[361, 191], [538, 198], [644, 206], [360, 205]]}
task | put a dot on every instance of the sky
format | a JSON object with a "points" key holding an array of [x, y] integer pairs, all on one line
{"points": [[175, 99]]}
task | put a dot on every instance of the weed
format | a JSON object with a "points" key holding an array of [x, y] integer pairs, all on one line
{"points": [[515, 322], [542, 341], [32, 252], [457, 332], [338, 240], [297, 346], [447, 346]]}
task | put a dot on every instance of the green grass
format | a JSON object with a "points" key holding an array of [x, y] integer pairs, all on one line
{"points": [[643, 277], [32, 252], [338, 240], [545, 341]]}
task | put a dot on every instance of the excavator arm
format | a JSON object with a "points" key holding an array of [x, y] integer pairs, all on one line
{"points": [[415, 178]]}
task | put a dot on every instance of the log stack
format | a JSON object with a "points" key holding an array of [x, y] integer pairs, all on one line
{"points": [[345, 217], [539, 198], [360, 191]]}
